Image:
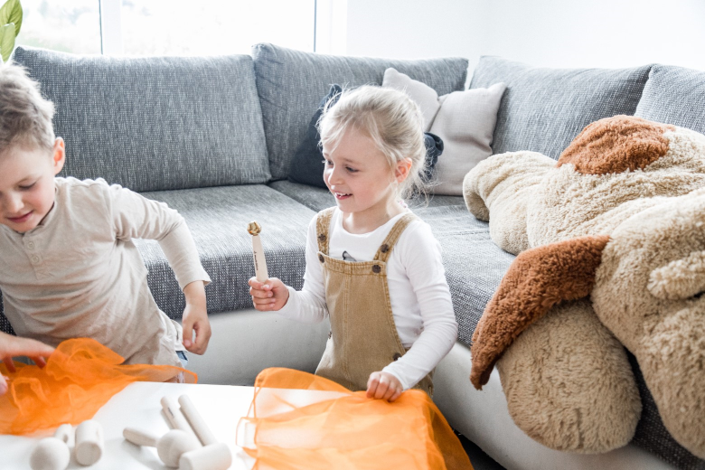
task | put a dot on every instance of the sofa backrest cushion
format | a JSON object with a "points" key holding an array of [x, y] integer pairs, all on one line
{"points": [[674, 95], [155, 123], [291, 83], [544, 109]]}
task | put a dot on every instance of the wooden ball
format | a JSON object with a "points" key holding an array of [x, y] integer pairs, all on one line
{"points": [[50, 454]]}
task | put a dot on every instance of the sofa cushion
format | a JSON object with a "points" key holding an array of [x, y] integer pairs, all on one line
{"points": [[318, 199], [544, 109], [674, 95], [307, 165], [218, 218], [155, 123], [474, 264], [291, 83]]}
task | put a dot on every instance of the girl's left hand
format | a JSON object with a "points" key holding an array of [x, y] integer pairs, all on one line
{"points": [[383, 385]]}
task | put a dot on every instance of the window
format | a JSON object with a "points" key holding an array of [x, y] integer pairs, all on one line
{"points": [[167, 27], [68, 25]]}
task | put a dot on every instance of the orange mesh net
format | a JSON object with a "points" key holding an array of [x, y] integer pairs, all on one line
{"points": [[288, 429], [80, 376]]}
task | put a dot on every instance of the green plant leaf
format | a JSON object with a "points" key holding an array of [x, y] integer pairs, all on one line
{"points": [[11, 12], [7, 40]]}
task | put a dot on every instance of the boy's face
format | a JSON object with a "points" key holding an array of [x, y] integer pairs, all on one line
{"points": [[27, 184]]}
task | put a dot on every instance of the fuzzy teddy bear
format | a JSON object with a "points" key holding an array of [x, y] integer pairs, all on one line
{"points": [[611, 255]]}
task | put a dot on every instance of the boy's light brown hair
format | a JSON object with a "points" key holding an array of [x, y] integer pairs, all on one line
{"points": [[25, 116]]}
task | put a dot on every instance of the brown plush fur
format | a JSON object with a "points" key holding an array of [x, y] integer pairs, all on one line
{"points": [[616, 145], [536, 281]]}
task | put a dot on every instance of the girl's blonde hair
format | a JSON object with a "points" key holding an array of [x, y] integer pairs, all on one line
{"points": [[25, 116], [389, 117]]}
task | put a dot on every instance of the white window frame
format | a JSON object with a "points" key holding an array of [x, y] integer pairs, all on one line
{"points": [[111, 27], [330, 27]]}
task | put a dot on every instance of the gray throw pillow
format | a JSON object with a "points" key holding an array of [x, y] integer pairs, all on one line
{"points": [[465, 120], [674, 95], [544, 109], [291, 83]]}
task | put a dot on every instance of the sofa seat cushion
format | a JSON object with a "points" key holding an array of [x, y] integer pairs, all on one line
{"points": [[291, 83], [155, 123], [218, 218], [544, 109], [318, 199], [474, 264], [674, 95]]}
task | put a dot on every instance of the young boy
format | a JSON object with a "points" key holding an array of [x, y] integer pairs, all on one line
{"points": [[68, 266]]}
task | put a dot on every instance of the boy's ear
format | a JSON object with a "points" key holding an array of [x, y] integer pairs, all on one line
{"points": [[402, 169], [59, 155]]}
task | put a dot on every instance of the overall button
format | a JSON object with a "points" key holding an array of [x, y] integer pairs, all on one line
{"points": [[384, 248], [320, 258], [330, 334], [376, 269], [322, 237], [396, 356]]}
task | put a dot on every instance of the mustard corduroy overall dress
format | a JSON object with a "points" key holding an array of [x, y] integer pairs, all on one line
{"points": [[363, 337]]}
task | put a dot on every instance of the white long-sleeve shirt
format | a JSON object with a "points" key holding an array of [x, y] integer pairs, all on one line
{"points": [[418, 291], [78, 273]]}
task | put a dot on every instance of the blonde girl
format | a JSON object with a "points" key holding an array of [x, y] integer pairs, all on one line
{"points": [[372, 266]]}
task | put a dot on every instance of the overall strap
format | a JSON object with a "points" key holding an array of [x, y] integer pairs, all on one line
{"points": [[322, 228], [386, 248]]}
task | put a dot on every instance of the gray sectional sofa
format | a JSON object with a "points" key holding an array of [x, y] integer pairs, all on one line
{"points": [[213, 137]]}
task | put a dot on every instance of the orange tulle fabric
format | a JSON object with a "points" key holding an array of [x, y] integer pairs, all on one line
{"points": [[286, 429], [80, 376]]}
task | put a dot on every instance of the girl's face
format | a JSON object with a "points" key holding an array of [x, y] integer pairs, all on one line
{"points": [[27, 185], [358, 175]]}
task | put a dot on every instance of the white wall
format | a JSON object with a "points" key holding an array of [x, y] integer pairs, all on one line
{"points": [[551, 33]]}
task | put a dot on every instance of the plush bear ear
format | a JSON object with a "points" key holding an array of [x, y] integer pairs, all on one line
{"points": [[537, 280], [679, 279]]}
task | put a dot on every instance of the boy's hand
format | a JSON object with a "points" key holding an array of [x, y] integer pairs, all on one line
{"points": [[195, 318], [12, 346], [270, 295], [383, 385]]}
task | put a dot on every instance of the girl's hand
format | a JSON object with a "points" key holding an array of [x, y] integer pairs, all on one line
{"points": [[195, 318], [383, 385], [270, 295], [12, 346]]}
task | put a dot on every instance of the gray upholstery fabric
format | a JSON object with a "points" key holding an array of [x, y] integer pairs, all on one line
{"points": [[652, 436], [318, 199], [474, 264], [544, 109], [218, 218], [155, 123], [291, 84], [674, 95]]}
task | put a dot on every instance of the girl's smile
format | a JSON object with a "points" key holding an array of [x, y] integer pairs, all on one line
{"points": [[365, 187]]}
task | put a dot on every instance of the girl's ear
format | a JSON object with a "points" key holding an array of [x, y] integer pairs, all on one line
{"points": [[401, 172], [59, 155]]}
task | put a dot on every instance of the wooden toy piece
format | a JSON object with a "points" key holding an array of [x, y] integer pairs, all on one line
{"points": [[66, 433], [258, 252], [51, 453], [196, 421], [173, 413], [89, 442], [170, 446], [212, 457]]}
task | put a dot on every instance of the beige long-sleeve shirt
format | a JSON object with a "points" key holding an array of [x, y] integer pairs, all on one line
{"points": [[78, 274]]}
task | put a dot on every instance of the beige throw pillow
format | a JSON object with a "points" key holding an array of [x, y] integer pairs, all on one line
{"points": [[465, 120]]}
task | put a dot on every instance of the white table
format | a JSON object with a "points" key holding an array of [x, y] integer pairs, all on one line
{"points": [[138, 405]]}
